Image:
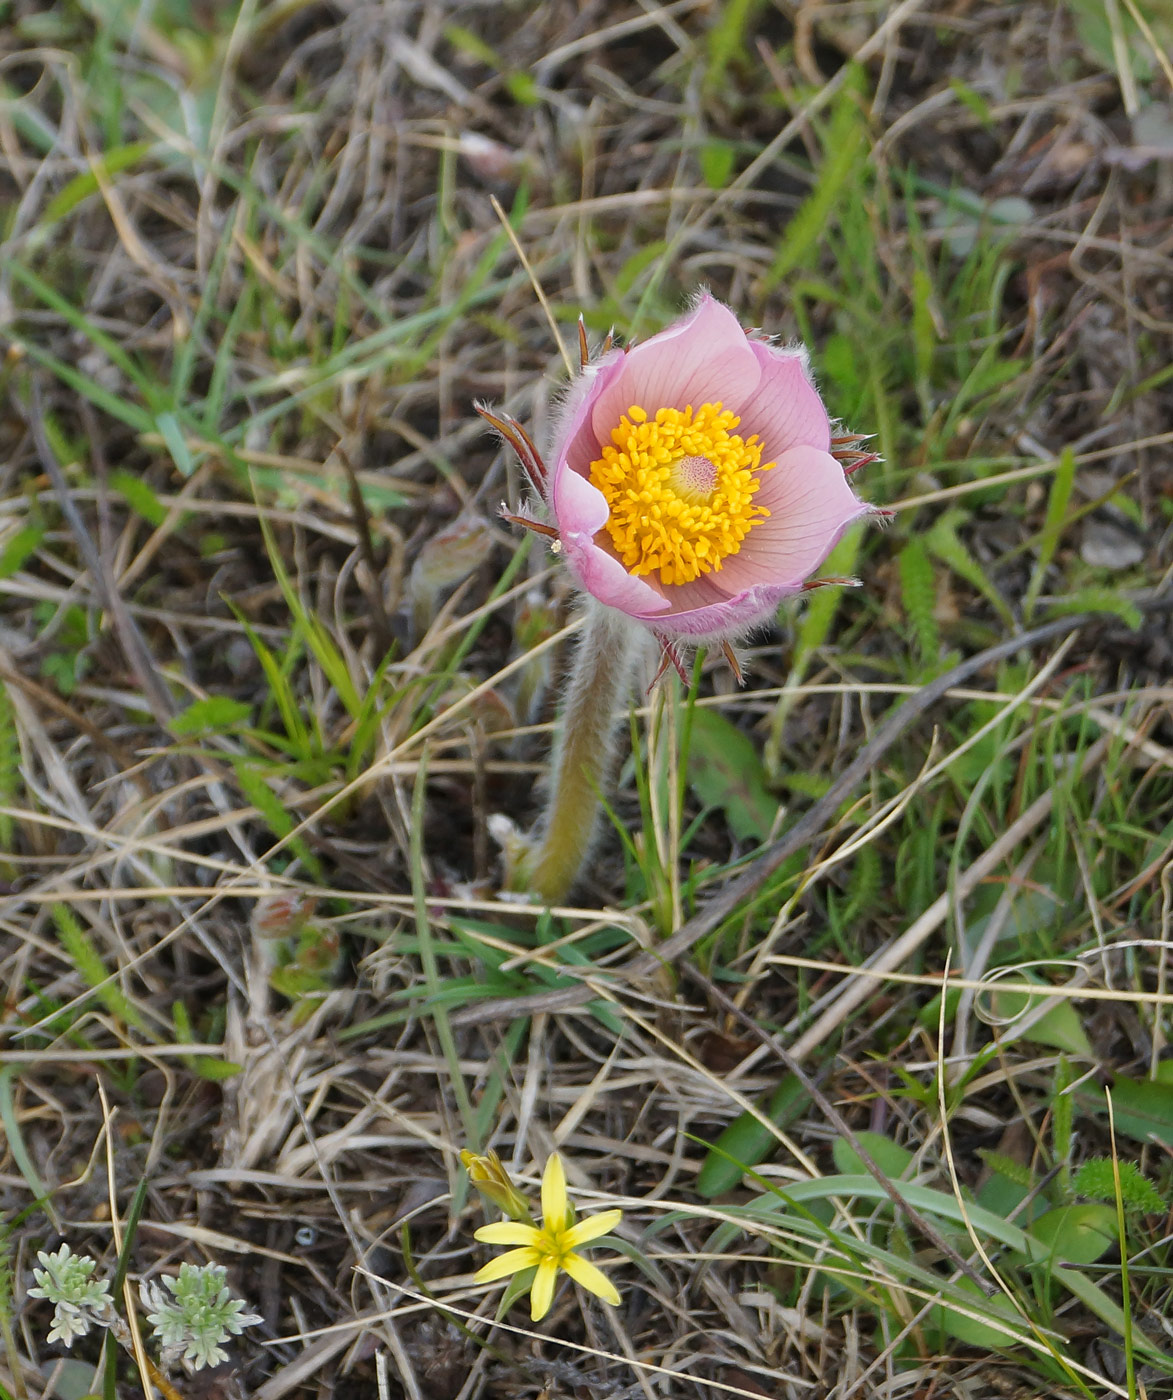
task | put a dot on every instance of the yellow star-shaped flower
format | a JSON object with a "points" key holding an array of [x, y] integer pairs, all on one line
{"points": [[551, 1248]]}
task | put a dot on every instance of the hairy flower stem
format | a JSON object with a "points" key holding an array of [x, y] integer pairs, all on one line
{"points": [[605, 663]]}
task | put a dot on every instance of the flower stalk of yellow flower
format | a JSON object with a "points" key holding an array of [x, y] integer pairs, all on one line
{"points": [[553, 1247]]}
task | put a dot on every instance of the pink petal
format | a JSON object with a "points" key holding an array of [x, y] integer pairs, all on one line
{"points": [[577, 445], [810, 505], [785, 409], [579, 507], [606, 579], [581, 511], [725, 618], [702, 358]]}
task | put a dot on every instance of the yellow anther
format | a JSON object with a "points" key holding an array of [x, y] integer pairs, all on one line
{"points": [[680, 488]]}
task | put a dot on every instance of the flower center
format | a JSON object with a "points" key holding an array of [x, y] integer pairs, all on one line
{"points": [[680, 488], [694, 478]]}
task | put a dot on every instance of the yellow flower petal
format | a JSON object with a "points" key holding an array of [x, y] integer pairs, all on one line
{"points": [[555, 1206], [506, 1264], [592, 1279], [541, 1294], [507, 1232], [591, 1228]]}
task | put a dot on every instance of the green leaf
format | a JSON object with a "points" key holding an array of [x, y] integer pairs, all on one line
{"points": [[918, 587], [275, 814], [924, 335], [815, 624], [523, 89], [972, 99], [116, 159], [19, 548], [1105, 600], [1061, 1027], [1095, 31], [1017, 1172], [892, 1159], [138, 496], [89, 965], [1097, 1179], [846, 153], [725, 771], [944, 541], [176, 443], [944, 1206], [1062, 1118], [73, 1380], [970, 1331], [206, 1066], [813, 628], [629, 273], [213, 715], [727, 39], [466, 42], [313, 631], [747, 1141], [11, 781], [10, 1121], [281, 691], [515, 1288], [716, 161], [1078, 1234], [1143, 1109], [840, 364], [1058, 500], [1005, 1196], [107, 344], [863, 887], [299, 983]]}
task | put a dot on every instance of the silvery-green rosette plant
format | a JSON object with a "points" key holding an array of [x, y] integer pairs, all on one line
{"points": [[694, 484], [192, 1317]]}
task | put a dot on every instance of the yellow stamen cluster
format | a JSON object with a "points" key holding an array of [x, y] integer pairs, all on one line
{"points": [[680, 488]]}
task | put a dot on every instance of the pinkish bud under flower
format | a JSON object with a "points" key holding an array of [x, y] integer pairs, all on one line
{"points": [[446, 560], [282, 915], [695, 483]]}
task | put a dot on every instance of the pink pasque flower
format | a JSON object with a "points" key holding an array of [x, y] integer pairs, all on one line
{"points": [[695, 482]]}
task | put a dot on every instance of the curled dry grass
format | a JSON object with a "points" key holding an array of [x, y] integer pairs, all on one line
{"points": [[256, 664]]}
